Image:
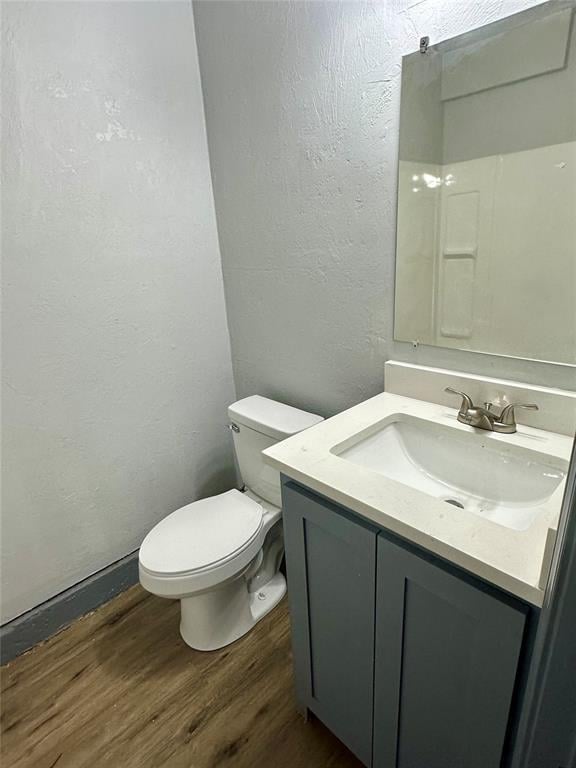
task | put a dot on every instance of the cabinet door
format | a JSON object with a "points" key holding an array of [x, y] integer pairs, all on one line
{"points": [[330, 564], [447, 654]]}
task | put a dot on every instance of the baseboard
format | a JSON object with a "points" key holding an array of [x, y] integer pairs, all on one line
{"points": [[42, 622]]}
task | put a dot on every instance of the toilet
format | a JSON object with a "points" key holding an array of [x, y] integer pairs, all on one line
{"points": [[221, 556]]}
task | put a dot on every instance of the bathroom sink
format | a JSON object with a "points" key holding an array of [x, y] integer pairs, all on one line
{"points": [[473, 471]]}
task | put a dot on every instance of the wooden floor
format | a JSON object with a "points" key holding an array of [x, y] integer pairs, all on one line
{"points": [[120, 688]]}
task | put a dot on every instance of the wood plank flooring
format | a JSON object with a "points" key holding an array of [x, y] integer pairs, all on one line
{"points": [[120, 688]]}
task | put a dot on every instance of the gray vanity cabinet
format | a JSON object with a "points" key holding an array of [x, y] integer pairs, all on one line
{"points": [[447, 657], [331, 568], [410, 662]]}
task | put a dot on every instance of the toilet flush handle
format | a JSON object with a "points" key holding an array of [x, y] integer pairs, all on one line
{"points": [[234, 427]]}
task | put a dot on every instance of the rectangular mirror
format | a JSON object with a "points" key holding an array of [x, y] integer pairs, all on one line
{"points": [[486, 238]]}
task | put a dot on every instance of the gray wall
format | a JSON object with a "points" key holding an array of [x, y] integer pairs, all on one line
{"points": [[302, 107], [116, 358]]}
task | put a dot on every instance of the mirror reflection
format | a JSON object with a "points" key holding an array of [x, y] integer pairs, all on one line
{"points": [[486, 240]]}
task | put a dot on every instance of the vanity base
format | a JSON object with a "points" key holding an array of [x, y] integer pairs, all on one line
{"points": [[409, 661]]}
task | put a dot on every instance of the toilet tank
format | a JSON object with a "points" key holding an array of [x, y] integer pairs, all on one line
{"points": [[257, 423]]}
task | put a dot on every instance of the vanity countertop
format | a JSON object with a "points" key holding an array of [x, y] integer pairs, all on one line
{"points": [[514, 560]]}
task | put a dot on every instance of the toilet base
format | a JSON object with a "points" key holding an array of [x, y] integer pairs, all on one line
{"points": [[218, 617]]}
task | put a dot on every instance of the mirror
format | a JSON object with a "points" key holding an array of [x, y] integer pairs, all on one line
{"points": [[486, 238]]}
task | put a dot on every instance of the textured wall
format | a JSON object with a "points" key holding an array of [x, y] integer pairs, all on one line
{"points": [[116, 354], [302, 105]]}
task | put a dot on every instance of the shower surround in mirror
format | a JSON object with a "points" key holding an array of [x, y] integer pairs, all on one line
{"points": [[486, 241]]}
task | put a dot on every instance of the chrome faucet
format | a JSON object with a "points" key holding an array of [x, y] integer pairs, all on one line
{"points": [[484, 417]]}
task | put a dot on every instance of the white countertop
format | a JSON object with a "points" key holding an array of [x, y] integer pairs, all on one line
{"points": [[510, 559]]}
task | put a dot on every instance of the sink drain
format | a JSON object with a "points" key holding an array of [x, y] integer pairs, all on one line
{"points": [[454, 502]]}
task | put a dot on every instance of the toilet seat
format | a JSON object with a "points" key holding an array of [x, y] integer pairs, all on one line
{"points": [[202, 544], [201, 535]]}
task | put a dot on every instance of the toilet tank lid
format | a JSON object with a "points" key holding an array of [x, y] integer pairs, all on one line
{"points": [[270, 417]]}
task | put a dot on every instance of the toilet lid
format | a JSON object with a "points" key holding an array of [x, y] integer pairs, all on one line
{"points": [[201, 534]]}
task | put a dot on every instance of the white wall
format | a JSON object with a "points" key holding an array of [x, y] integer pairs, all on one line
{"points": [[477, 272], [302, 105], [414, 297], [521, 235], [116, 354]]}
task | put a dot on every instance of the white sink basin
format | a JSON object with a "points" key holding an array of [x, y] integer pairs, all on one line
{"points": [[475, 471]]}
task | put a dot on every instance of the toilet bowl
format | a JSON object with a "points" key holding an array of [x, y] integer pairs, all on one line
{"points": [[221, 556]]}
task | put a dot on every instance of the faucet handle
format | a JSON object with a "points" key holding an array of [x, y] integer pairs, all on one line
{"points": [[508, 417], [466, 403]]}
